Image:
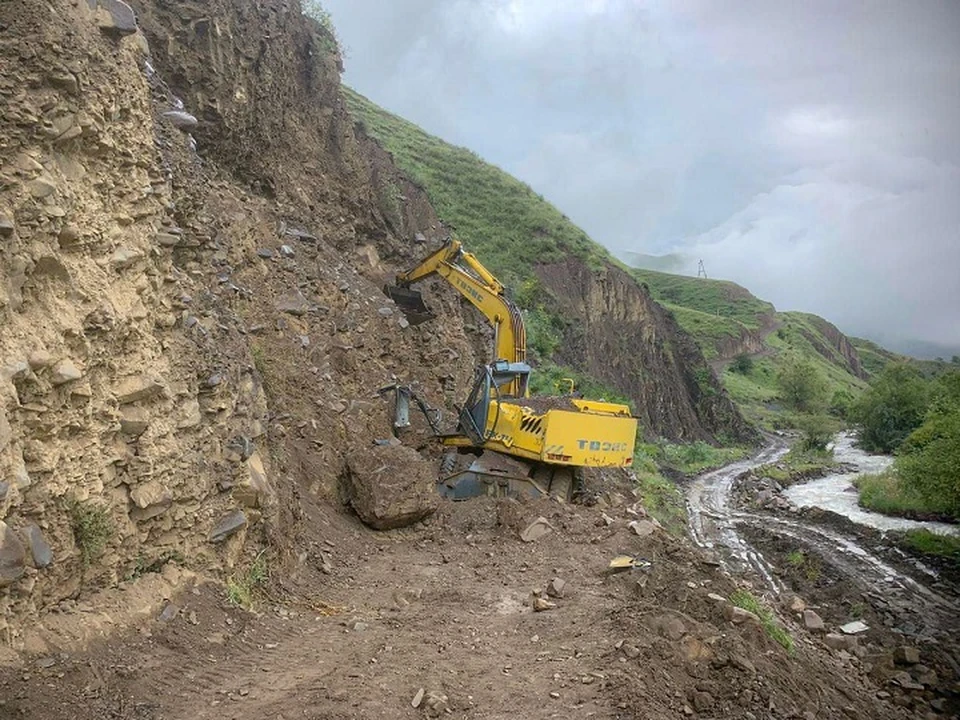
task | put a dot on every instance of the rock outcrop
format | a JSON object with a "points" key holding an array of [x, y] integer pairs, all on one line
{"points": [[621, 336]]}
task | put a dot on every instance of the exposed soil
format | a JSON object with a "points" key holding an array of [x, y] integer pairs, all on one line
{"points": [[446, 606]]}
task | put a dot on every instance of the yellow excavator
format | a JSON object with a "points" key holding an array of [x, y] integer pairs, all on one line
{"points": [[507, 443]]}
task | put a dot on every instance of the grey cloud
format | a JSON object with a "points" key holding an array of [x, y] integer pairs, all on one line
{"points": [[807, 150]]}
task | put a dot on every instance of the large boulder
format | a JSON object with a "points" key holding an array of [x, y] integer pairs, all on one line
{"points": [[391, 486]]}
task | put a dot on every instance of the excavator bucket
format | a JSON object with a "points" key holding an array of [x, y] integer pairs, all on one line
{"points": [[410, 302]]}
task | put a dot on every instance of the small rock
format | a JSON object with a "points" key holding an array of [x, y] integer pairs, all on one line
{"points": [[167, 239], [63, 372], [287, 251], [40, 359], [812, 621], [672, 627], [115, 17], [169, 612], [230, 524], [46, 662], [385, 311], [536, 530], [720, 599], [39, 547], [904, 680], [293, 303], [738, 615], [418, 698], [135, 388], [12, 556], [69, 235], [797, 604], [835, 641], [265, 253], [134, 421], [906, 655], [556, 587], [631, 651], [41, 187], [65, 81], [124, 257], [180, 119], [853, 628], [541, 604], [702, 701], [6, 226], [642, 528], [435, 704]]}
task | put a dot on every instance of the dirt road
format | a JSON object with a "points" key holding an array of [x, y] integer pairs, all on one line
{"points": [[446, 607]]}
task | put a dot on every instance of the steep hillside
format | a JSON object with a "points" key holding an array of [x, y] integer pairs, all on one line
{"points": [[727, 320], [583, 311], [191, 323]]}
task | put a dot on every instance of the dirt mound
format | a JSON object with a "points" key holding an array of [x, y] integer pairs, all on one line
{"points": [[391, 486]]}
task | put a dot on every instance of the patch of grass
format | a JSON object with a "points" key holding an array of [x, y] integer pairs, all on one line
{"points": [[796, 558], [720, 299], [691, 458], [659, 495], [797, 463], [747, 601], [499, 218], [92, 528], [928, 543], [885, 493], [243, 588]]}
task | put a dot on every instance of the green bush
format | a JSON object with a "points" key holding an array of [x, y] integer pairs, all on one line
{"points": [[801, 385], [818, 431], [892, 407], [930, 463], [92, 529], [929, 543], [742, 364]]}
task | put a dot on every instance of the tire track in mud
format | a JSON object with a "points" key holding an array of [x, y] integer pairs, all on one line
{"points": [[714, 521]]}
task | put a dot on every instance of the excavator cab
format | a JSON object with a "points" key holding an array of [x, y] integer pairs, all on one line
{"points": [[489, 379]]}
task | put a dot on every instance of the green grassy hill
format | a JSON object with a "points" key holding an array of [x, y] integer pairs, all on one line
{"points": [[727, 320], [498, 217], [513, 229]]}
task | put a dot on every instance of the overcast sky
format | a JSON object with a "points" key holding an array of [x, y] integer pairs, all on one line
{"points": [[807, 150]]}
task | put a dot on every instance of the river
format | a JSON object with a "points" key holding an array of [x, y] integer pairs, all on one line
{"points": [[837, 493]]}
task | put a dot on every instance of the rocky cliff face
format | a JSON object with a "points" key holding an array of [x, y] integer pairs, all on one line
{"points": [[620, 335], [837, 344], [190, 262], [193, 239]]}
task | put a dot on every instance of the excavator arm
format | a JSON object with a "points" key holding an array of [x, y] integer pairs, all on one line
{"points": [[473, 281]]}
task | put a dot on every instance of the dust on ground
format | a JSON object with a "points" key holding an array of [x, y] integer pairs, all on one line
{"points": [[367, 620]]}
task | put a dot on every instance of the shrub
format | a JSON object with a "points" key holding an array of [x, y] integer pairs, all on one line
{"points": [[742, 364], [92, 529], [892, 407], [801, 385]]}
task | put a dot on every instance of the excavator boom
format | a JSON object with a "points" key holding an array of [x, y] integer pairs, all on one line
{"points": [[525, 450]]}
